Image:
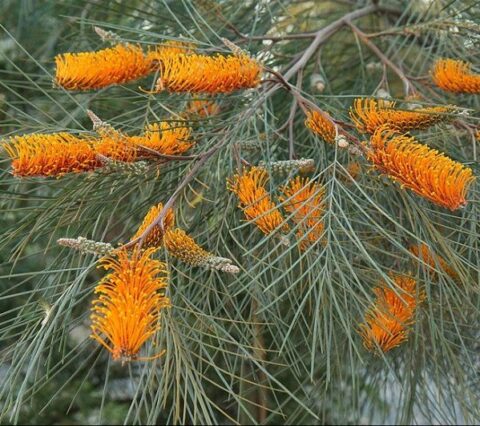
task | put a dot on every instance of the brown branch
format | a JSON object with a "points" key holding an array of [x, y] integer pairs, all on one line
{"points": [[185, 181], [408, 87]]}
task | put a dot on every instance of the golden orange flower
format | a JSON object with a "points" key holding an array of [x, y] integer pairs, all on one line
{"points": [[455, 76], [51, 154], [169, 138], [155, 236], [322, 125], [424, 252], [94, 70], [370, 114], [304, 199], [130, 299], [184, 248], [157, 54], [208, 74], [255, 200], [422, 169], [203, 108], [387, 321], [115, 145]]}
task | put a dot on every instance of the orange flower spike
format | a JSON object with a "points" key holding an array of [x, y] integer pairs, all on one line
{"points": [[387, 321], [434, 261], [94, 70], [208, 74], [129, 303], [370, 114], [117, 146], [319, 123], [169, 138], [171, 48], [255, 200], [51, 154], [184, 247], [304, 199], [455, 76], [423, 170], [155, 236]]}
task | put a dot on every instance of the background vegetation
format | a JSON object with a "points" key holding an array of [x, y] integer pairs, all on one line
{"points": [[277, 342]]}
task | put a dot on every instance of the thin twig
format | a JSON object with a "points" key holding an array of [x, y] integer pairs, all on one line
{"points": [[408, 87]]}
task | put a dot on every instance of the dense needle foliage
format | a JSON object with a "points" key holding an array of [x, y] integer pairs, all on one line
{"points": [[339, 284]]}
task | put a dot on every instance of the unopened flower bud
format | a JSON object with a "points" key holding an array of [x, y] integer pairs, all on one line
{"points": [[383, 94], [372, 66], [317, 82], [341, 141]]}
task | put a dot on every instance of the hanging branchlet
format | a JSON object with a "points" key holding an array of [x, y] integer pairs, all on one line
{"points": [[303, 165], [255, 201], [87, 246], [129, 304], [455, 76], [184, 248], [304, 200], [389, 319], [370, 114], [432, 260], [108, 36], [425, 171]]}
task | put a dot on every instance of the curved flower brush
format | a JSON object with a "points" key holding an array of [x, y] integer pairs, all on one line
{"points": [[304, 199], [419, 168], [370, 114], [255, 201], [95, 70], [155, 236], [388, 320], [129, 303], [319, 123], [168, 138], [423, 252], [51, 154], [208, 74], [165, 137], [455, 76]]}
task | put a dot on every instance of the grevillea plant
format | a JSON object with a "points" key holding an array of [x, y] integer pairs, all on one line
{"points": [[224, 212]]}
